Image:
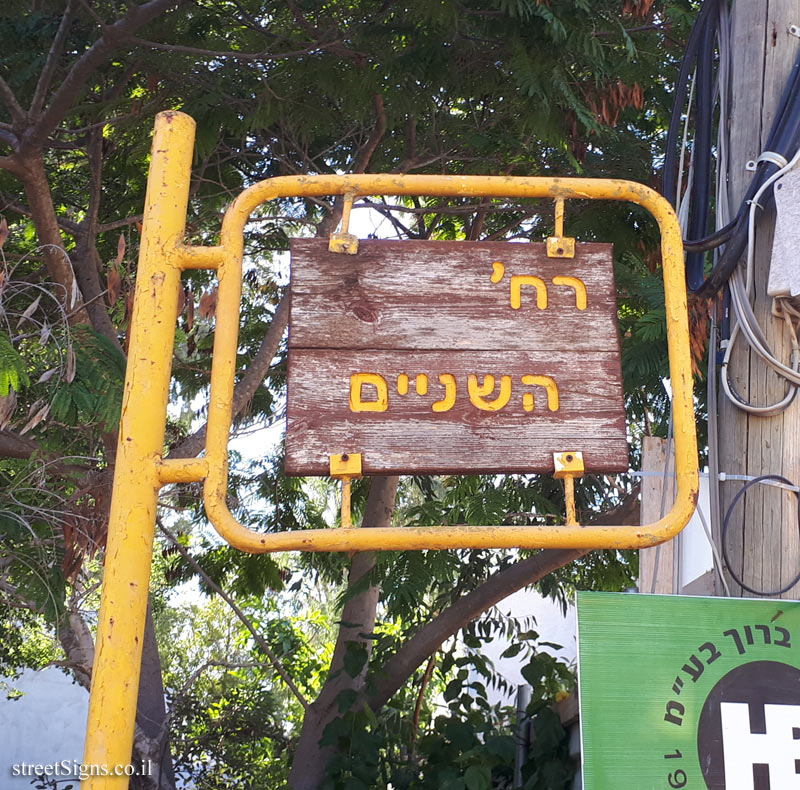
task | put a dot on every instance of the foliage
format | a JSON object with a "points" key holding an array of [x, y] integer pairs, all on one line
{"points": [[514, 87]]}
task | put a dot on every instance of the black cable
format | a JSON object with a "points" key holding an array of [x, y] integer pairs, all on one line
{"points": [[700, 198], [669, 181], [712, 241], [784, 139], [724, 535]]}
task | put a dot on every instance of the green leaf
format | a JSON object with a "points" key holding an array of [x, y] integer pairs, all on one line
{"points": [[452, 690], [478, 777], [501, 746], [512, 651], [13, 371], [355, 658], [346, 699]]}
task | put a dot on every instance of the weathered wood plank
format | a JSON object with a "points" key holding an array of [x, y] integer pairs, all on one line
{"points": [[445, 297], [657, 561], [392, 353], [465, 437], [412, 447]]}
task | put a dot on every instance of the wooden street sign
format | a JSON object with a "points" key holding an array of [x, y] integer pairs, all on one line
{"points": [[453, 357]]}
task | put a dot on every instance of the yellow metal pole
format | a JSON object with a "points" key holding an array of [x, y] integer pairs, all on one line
{"points": [[115, 676], [569, 498]]}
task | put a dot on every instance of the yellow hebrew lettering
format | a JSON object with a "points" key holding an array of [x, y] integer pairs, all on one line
{"points": [[402, 384], [478, 392], [449, 399], [422, 384], [357, 382], [549, 384], [578, 286], [518, 280], [498, 270]]}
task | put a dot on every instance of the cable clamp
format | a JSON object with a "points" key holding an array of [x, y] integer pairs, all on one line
{"points": [[773, 156]]}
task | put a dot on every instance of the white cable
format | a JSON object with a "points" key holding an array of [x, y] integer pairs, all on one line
{"points": [[744, 320], [722, 218], [683, 205], [714, 552]]}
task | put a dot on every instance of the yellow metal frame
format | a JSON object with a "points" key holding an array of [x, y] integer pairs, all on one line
{"points": [[141, 471]]}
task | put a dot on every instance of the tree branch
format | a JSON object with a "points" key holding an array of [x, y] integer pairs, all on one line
{"points": [[46, 77], [9, 138], [360, 164], [260, 641], [399, 668], [18, 115], [396, 671], [74, 83], [119, 223], [366, 151], [250, 381], [13, 445], [73, 228], [12, 164], [247, 56]]}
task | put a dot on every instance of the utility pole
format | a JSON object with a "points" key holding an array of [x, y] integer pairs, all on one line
{"points": [[762, 538]]}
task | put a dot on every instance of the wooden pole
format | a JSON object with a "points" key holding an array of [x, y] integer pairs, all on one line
{"points": [[763, 534]]}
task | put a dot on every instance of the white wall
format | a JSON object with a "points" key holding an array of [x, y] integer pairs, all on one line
{"points": [[45, 726], [551, 625]]}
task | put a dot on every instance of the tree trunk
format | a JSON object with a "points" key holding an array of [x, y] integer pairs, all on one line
{"points": [[43, 213], [358, 622], [151, 711], [763, 534]]}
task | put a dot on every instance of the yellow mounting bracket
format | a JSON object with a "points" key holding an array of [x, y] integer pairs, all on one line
{"points": [[345, 467], [344, 241], [140, 472], [568, 466], [560, 246]]}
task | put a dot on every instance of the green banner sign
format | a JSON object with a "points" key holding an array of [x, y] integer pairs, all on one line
{"points": [[695, 693]]}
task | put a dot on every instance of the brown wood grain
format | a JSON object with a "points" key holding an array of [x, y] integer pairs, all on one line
{"points": [[430, 308], [436, 295]]}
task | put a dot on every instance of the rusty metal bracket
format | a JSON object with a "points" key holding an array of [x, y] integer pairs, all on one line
{"points": [[346, 467], [344, 241], [569, 465], [560, 246]]}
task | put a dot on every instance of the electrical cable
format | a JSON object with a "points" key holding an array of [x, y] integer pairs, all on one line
{"points": [[726, 525], [681, 88], [746, 323], [701, 153], [713, 451], [718, 566], [663, 508], [716, 239], [783, 140]]}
